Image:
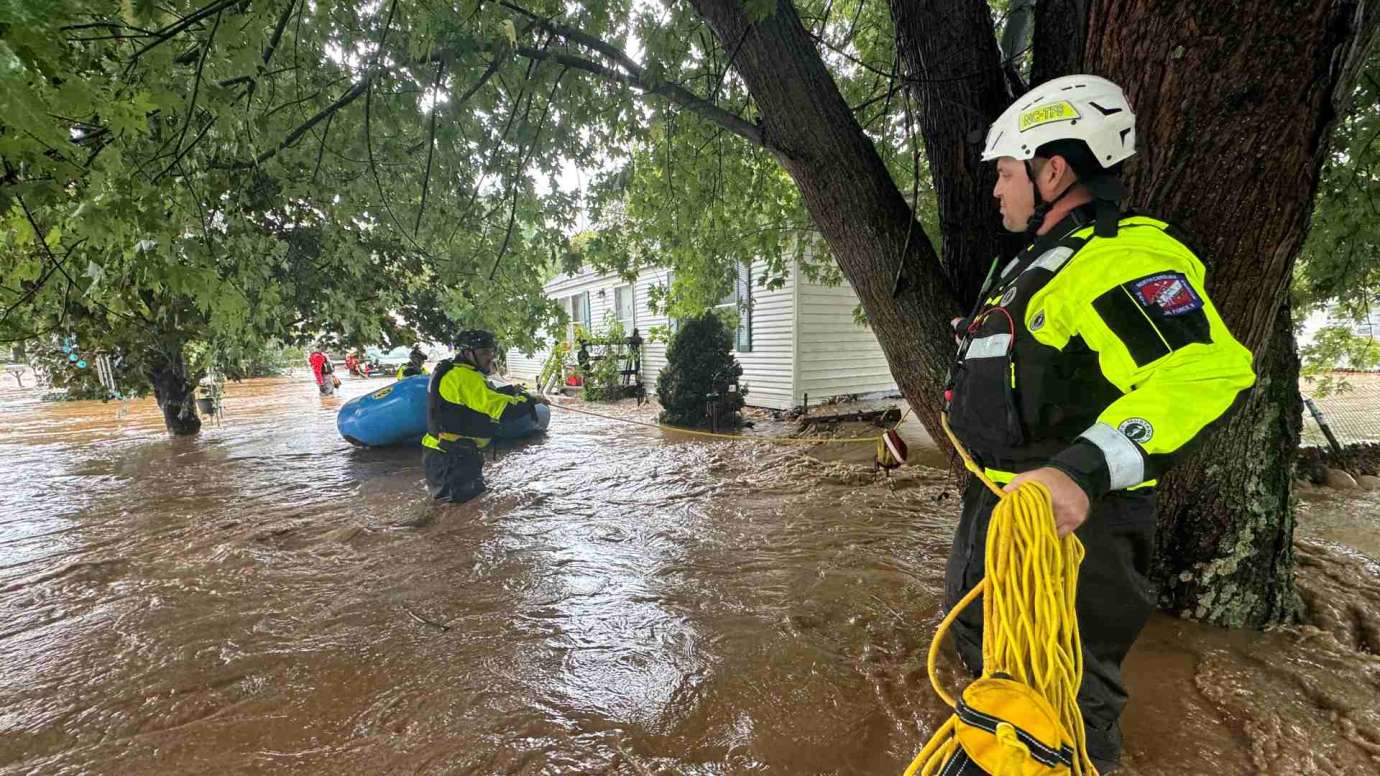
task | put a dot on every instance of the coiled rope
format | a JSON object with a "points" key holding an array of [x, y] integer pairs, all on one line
{"points": [[1030, 626]]}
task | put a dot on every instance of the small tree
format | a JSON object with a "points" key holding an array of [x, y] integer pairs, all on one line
{"points": [[699, 362]]}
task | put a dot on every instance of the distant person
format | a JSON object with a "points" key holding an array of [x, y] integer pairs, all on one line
{"points": [[414, 365], [322, 370], [352, 364], [462, 415]]}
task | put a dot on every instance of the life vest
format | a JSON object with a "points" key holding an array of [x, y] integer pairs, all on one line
{"points": [[1091, 340], [448, 421]]}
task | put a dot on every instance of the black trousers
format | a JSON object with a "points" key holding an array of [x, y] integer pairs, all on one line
{"points": [[455, 475], [1114, 600]]}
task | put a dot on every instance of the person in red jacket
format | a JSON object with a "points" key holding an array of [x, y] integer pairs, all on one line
{"points": [[323, 372]]}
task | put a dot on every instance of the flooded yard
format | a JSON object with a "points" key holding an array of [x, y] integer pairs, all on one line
{"points": [[264, 598]]}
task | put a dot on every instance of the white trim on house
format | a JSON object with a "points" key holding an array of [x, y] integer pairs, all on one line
{"points": [[803, 337]]}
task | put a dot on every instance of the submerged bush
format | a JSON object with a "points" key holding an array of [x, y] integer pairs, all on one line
{"points": [[699, 361]]}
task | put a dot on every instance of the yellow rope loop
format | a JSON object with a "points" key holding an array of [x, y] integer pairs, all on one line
{"points": [[1030, 624]]}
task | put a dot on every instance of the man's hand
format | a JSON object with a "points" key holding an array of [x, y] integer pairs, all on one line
{"points": [[1069, 501]]}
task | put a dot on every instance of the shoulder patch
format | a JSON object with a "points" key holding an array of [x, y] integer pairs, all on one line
{"points": [[1169, 293]]}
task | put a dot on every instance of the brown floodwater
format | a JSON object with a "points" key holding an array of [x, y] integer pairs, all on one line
{"points": [[266, 599]]}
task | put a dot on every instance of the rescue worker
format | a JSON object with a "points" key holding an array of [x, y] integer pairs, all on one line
{"points": [[322, 370], [1089, 362], [414, 366], [462, 413]]}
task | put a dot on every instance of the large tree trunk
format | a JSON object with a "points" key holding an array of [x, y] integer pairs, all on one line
{"points": [[175, 392], [849, 193], [1233, 115], [953, 70]]}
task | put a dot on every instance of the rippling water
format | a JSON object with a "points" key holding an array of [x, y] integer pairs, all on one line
{"points": [[265, 598]]}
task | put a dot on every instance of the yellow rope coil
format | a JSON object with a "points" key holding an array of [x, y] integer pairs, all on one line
{"points": [[1030, 626]]}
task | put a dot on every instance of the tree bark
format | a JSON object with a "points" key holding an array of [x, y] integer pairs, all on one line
{"points": [[954, 72], [1233, 115], [849, 193], [175, 392], [1060, 27]]}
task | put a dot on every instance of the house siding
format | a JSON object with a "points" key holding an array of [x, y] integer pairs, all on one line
{"points": [[837, 357]]}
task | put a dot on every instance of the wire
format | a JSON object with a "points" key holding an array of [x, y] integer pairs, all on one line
{"points": [[780, 440]]}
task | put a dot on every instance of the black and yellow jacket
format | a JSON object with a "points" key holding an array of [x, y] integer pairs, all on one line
{"points": [[1100, 356], [461, 405], [408, 370]]}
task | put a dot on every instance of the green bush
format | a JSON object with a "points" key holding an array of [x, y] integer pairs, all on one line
{"points": [[699, 361]]}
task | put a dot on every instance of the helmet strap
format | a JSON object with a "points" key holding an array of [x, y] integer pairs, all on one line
{"points": [[1042, 208]]}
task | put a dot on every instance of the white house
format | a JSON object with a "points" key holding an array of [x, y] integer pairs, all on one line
{"points": [[792, 341]]}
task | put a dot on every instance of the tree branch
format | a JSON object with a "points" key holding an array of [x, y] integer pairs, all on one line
{"points": [[634, 76], [348, 97], [173, 30], [676, 94], [430, 145], [191, 103], [512, 218], [278, 32]]}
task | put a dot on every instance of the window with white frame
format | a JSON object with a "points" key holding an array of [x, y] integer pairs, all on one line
{"points": [[740, 301], [624, 308], [578, 307]]}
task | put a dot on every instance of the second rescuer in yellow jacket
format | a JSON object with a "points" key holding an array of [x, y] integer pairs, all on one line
{"points": [[1090, 360], [462, 415], [415, 365]]}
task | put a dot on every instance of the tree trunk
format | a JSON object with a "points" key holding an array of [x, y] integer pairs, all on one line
{"points": [[849, 193], [1060, 26], [1225, 550], [953, 70], [175, 392], [1233, 114]]}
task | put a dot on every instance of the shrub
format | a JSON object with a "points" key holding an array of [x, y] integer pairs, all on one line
{"points": [[699, 361]]}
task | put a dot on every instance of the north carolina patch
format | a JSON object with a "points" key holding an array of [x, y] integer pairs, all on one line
{"points": [[1168, 292]]}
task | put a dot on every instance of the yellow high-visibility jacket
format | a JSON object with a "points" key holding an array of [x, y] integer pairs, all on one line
{"points": [[1100, 356], [461, 405]]}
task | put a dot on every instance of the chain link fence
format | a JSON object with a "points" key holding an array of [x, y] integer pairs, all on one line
{"points": [[1349, 405]]}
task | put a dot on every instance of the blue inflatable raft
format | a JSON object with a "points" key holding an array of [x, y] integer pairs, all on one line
{"points": [[396, 415]]}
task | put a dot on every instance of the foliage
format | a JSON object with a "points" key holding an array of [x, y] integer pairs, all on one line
{"points": [[699, 361], [228, 171], [1337, 347], [602, 380], [1340, 263]]}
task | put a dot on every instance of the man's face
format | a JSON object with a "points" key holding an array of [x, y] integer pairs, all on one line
{"points": [[1014, 193], [483, 358]]}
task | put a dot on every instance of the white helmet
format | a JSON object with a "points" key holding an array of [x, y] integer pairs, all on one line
{"points": [[1075, 107]]}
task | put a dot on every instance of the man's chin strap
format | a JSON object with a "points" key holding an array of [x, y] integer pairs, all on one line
{"points": [[1106, 190], [1042, 208]]}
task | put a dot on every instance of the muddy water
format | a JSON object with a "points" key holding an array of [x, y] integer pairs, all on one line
{"points": [[265, 599]]}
